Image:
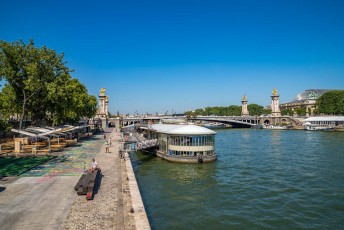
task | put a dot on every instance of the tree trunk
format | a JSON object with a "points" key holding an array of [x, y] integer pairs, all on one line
{"points": [[23, 111], [22, 114]]}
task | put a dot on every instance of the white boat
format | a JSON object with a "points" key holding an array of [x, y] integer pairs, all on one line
{"points": [[256, 126], [312, 127], [213, 125], [274, 127]]}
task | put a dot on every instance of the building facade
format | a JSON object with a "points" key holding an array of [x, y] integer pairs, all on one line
{"points": [[306, 99]]}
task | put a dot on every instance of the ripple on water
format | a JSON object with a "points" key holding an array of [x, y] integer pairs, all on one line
{"points": [[261, 180]]}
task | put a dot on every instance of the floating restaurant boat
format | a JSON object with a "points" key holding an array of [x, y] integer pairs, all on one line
{"points": [[274, 127], [214, 125], [184, 143], [312, 127], [323, 123]]}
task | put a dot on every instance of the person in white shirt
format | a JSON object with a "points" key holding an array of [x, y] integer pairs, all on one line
{"points": [[94, 164]]}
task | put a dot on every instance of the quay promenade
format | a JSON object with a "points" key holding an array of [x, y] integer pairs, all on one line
{"points": [[44, 198]]}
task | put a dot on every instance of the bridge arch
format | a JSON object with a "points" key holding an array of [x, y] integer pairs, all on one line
{"points": [[112, 124], [267, 122], [228, 120]]}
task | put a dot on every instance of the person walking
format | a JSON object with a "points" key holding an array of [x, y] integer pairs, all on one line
{"points": [[110, 143], [107, 147]]}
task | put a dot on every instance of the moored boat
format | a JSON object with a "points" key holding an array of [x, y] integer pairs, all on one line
{"points": [[256, 126], [312, 127], [274, 127]]}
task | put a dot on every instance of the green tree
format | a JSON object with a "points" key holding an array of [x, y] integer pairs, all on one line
{"points": [[285, 112], [8, 106], [331, 103], [266, 111], [28, 69], [255, 109], [68, 100], [39, 84], [300, 111]]}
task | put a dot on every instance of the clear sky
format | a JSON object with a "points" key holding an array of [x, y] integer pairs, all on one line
{"points": [[154, 56]]}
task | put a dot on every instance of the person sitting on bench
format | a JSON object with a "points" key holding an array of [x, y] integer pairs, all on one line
{"points": [[94, 164]]}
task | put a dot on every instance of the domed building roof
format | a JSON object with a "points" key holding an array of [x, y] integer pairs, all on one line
{"points": [[309, 94]]}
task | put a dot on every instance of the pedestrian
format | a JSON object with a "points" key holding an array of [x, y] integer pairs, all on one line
{"points": [[104, 136], [110, 143], [107, 147], [94, 164]]}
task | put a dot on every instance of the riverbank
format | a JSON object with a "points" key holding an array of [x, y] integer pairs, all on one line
{"points": [[44, 198]]}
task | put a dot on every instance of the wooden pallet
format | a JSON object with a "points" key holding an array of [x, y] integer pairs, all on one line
{"points": [[85, 185]]}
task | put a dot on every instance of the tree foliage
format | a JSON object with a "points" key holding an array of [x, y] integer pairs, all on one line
{"points": [[7, 106], [39, 85], [300, 111], [286, 112], [331, 103]]}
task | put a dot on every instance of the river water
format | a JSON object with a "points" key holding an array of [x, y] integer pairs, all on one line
{"points": [[263, 179]]}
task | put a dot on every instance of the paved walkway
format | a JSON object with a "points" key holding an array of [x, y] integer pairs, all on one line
{"points": [[111, 205], [36, 202], [45, 198]]}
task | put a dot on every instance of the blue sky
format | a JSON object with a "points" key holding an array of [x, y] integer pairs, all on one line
{"points": [[154, 56]]}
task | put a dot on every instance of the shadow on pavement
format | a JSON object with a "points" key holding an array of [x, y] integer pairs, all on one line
{"points": [[97, 183]]}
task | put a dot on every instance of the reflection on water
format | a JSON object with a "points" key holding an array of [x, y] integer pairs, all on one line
{"points": [[262, 179]]}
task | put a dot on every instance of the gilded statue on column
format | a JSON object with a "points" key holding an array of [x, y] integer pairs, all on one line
{"points": [[102, 91], [274, 92]]}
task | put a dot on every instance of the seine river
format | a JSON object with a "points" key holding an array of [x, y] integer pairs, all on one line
{"points": [[263, 179]]}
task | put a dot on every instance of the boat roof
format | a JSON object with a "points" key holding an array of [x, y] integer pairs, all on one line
{"points": [[182, 129], [325, 118]]}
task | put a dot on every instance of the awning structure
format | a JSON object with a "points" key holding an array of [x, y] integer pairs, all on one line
{"points": [[325, 118], [181, 129], [47, 131], [45, 139]]}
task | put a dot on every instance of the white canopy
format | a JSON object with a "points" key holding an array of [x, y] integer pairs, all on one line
{"points": [[324, 118], [182, 129]]}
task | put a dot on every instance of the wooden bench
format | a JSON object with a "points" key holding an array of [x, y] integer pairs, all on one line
{"points": [[71, 142], [7, 152], [45, 151], [85, 185], [56, 148]]}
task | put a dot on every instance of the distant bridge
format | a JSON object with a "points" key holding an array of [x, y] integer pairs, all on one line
{"points": [[126, 121], [235, 121], [249, 121]]}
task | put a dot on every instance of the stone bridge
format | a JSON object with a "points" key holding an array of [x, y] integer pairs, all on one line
{"points": [[248, 121], [126, 121], [235, 121]]}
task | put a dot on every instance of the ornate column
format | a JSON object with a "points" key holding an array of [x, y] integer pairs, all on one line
{"points": [[244, 109], [275, 110], [307, 111], [102, 104], [106, 107]]}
